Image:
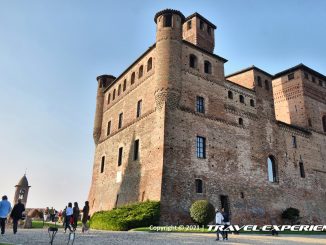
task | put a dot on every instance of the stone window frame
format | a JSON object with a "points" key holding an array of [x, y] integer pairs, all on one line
{"points": [[200, 104], [201, 147], [199, 185], [208, 69], [120, 121], [273, 175], [140, 71], [241, 99], [132, 78], [139, 108], [109, 98], [113, 95], [124, 87], [149, 64], [193, 61]]}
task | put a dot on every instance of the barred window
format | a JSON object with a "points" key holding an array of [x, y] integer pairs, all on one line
{"points": [[201, 147], [200, 104]]}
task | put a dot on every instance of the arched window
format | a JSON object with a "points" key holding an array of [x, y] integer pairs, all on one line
{"points": [[252, 103], [119, 89], [272, 169], [109, 98], [259, 81], [240, 121], [113, 97], [324, 123], [132, 79], [193, 61], [124, 85], [199, 185], [149, 64], [241, 98], [102, 164], [207, 67], [230, 95], [266, 85], [141, 71]]}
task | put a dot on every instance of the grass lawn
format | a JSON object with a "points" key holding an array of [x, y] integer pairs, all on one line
{"points": [[38, 224], [205, 230]]}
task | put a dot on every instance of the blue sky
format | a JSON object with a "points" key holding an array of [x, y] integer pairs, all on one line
{"points": [[52, 51]]}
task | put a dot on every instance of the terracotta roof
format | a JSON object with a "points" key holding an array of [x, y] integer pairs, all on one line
{"points": [[200, 17], [248, 69], [300, 67], [169, 11]]}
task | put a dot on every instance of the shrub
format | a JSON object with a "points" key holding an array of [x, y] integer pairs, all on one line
{"points": [[202, 212], [292, 215], [127, 217]]}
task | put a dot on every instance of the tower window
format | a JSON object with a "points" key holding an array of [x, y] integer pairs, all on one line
{"points": [[193, 61], [167, 20], [109, 98], [240, 121], [306, 76], [189, 25], [119, 89], [200, 104], [149, 64], [113, 97], [209, 30], [294, 142], [139, 107], [199, 185], [136, 150], [141, 71], [302, 172], [102, 164], [291, 76], [120, 120], [201, 25], [108, 130], [313, 79], [132, 79], [230, 95], [241, 98], [124, 85], [266, 85], [324, 123], [120, 156], [207, 67], [259, 81], [252, 103], [201, 147], [272, 169]]}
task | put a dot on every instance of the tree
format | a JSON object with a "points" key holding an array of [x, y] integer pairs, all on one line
{"points": [[202, 212]]}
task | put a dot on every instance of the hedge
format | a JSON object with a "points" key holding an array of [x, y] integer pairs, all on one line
{"points": [[202, 212], [127, 217]]}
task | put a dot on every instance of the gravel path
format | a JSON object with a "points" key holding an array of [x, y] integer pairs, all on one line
{"points": [[40, 236]]}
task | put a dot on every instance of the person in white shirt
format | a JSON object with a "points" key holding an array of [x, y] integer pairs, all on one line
{"points": [[218, 220], [69, 212]]}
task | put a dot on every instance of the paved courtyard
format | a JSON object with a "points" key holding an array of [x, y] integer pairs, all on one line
{"points": [[40, 236]]}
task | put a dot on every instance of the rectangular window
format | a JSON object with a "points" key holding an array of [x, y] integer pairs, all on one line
{"points": [[200, 104], [167, 20], [108, 130], [120, 120], [102, 164], [189, 25], [302, 173], [120, 156], [201, 147], [294, 142], [139, 106], [199, 185], [291, 76], [136, 150]]}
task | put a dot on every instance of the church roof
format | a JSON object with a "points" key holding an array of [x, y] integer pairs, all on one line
{"points": [[23, 181]]}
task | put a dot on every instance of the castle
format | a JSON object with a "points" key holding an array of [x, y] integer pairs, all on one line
{"points": [[172, 127]]}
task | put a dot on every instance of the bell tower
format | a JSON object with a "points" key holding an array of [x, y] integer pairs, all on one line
{"points": [[22, 189]]}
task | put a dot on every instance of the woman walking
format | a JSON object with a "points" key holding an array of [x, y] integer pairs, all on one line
{"points": [[75, 215], [85, 217], [68, 216]]}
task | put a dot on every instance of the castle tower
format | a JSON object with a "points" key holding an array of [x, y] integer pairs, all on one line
{"points": [[103, 81], [168, 52], [199, 31], [22, 189]]}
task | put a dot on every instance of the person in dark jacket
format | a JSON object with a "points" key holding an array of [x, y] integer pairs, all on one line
{"points": [[226, 223], [75, 214], [85, 217], [17, 214]]}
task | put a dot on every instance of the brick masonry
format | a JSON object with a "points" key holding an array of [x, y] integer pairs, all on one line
{"points": [[236, 155]]}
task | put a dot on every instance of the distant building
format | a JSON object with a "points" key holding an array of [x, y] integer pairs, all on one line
{"points": [[172, 127], [22, 189]]}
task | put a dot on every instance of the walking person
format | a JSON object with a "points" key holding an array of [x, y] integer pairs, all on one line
{"points": [[226, 222], [85, 217], [76, 213], [5, 208], [17, 214], [68, 216], [218, 220]]}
